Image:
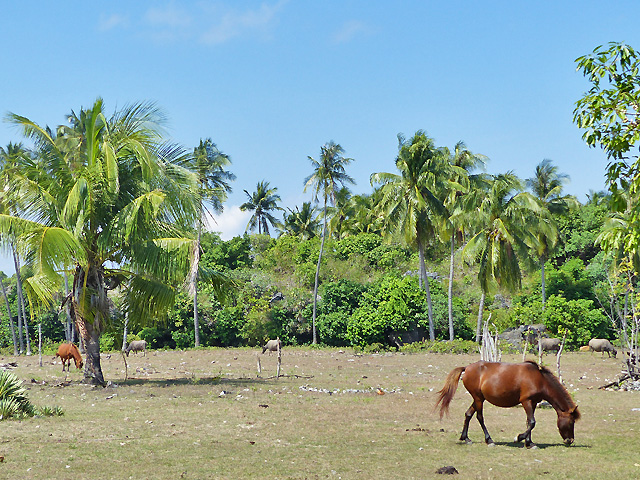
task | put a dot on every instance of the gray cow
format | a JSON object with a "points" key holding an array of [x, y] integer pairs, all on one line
{"points": [[602, 345], [137, 346], [549, 344], [272, 346]]}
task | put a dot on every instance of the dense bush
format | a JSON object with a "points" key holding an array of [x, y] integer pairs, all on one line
{"points": [[332, 328], [581, 319]]}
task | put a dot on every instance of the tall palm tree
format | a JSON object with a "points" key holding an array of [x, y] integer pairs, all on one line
{"points": [[12, 159], [465, 162], [112, 206], [328, 173], [411, 201], [214, 185], [504, 215], [546, 185], [10, 315], [341, 212], [367, 216], [302, 223], [261, 203]]}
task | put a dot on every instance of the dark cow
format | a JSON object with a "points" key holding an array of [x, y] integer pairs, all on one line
{"points": [[137, 346]]}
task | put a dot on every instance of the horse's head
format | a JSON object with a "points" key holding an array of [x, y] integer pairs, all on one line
{"points": [[78, 361], [566, 421]]}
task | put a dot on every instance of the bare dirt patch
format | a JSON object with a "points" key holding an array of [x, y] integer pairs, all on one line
{"points": [[206, 414]]}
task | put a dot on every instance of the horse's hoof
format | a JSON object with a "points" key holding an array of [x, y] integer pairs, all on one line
{"points": [[466, 441], [517, 439], [491, 444], [532, 447]]}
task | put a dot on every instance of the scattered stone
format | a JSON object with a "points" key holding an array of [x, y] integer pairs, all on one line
{"points": [[447, 470]]}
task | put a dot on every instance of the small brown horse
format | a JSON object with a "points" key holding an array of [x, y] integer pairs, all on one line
{"points": [[67, 351], [507, 385]]}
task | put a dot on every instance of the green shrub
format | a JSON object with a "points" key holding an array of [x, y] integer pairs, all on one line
{"points": [[107, 342], [456, 347], [332, 329], [13, 397], [578, 318], [362, 244], [226, 327], [152, 336], [183, 339]]}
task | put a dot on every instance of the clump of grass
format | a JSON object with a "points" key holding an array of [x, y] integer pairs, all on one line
{"points": [[14, 402]]}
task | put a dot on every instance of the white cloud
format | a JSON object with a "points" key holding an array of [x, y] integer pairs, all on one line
{"points": [[109, 22], [230, 223], [168, 16], [348, 31], [231, 24]]}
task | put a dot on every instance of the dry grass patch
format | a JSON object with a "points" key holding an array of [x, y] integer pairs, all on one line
{"points": [[205, 414]]}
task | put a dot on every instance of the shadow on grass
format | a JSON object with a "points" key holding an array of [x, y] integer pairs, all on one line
{"points": [[169, 382], [540, 446]]}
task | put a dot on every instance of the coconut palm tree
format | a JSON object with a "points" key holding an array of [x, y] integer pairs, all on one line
{"points": [[411, 202], [340, 213], [463, 180], [302, 223], [214, 186], [546, 185], [504, 217], [10, 315], [328, 174], [261, 203], [13, 159], [111, 206]]}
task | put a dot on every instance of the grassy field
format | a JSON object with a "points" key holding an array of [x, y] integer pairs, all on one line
{"points": [[206, 414]]}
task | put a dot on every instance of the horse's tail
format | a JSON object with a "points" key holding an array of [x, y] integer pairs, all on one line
{"points": [[449, 390]]}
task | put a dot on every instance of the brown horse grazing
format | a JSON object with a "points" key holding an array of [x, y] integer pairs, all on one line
{"points": [[507, 385], [67, 351]]}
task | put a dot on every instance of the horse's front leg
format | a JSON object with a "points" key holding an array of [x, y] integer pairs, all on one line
{"points": [[529, 408], [480, 417]]}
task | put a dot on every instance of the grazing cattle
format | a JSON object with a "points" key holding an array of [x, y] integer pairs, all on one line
{"points": [[67, 351], [272, 346], [137, 346], [532, 332], [507, 385], [602, 345], [549, 344]]}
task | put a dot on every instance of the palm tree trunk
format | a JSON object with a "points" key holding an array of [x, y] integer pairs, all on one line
{"points": [[68, 325], [453, 248], [423, 274], [20, 331], [315, 284], [194, 286], [125, 332], [89, 316], [480, 311], [91, 338], [22, 316], [542, 281], [11, 324]]}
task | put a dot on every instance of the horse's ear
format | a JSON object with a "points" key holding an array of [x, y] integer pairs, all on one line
{"points": [[575, 413]]}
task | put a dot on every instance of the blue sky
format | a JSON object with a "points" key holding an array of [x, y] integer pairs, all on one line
{"points": [[272, 81]]}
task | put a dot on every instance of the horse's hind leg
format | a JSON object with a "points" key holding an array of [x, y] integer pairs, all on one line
{"points": [[529, 408], [464, 436]]}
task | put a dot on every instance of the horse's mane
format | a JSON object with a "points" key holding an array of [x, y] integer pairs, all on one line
{"points": [[555, 384]]}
